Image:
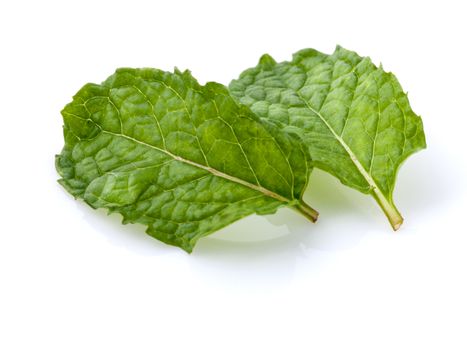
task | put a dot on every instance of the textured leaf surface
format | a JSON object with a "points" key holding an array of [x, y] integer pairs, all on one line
{"points": [[181, 158], [354, 118]]}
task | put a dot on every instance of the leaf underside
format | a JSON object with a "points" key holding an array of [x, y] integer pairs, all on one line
{"points": [[183, 159], [354, 117]]}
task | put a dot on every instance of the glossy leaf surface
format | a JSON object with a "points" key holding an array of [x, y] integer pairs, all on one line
{"points": [[183, 159]]}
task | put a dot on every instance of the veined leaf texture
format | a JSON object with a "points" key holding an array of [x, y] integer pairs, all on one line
{"points": [[183, 159], [354, 117], [186, 160]]}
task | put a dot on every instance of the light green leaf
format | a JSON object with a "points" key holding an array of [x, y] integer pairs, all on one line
{"points": [[354, 118], [183, 159]]}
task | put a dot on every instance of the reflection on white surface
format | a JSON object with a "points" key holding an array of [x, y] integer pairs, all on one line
{"points": [[264, 250], [346, 216]]}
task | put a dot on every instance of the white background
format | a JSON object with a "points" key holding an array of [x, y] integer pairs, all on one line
{"points": [[74, 278]]}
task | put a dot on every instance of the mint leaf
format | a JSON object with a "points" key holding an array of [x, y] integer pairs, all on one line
{"points": [[183, 159], [354, 118]]}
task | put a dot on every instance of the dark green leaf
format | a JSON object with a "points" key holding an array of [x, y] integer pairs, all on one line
{"points": [[183, 159]]}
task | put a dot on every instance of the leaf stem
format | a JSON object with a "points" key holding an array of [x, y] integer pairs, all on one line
{"points": [[390, 210], [306, 211]]}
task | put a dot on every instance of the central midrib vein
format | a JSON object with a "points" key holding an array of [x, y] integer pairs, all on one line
{"points": [[352, 155], [388, 207], [213, 171]]}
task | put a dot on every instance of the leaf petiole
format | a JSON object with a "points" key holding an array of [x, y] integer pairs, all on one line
{"points": [[389, 209], [306, 211]]}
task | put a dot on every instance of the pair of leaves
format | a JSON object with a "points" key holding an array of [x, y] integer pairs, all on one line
{"points": [[186, 160]]}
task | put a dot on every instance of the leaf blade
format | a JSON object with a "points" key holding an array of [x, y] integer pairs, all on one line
{"points": [[145, 143], [354, 117]]}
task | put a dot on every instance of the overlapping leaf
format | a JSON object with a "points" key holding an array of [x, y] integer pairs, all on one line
{"points": [[181, 158], [354, 118]]}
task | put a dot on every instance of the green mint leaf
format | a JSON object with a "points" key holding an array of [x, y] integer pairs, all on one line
{"points": [[354, 118], [183, 159]]}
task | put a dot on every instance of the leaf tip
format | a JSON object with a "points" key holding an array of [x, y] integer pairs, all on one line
{"points": [[267, 61], [178, 71], [188, 250], [183, 73]]}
